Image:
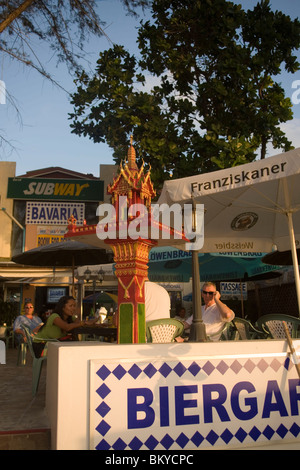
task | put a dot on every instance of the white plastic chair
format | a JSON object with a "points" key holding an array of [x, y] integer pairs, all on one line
{"points": [[2, 352], [163, 330]]}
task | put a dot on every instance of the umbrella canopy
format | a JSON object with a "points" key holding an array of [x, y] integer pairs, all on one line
{"points": [[283, 258], [68, 253], [176, 265], [101, 298], [248, 208]]}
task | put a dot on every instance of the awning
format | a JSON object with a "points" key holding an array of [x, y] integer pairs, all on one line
{"points": [[13, 273]]}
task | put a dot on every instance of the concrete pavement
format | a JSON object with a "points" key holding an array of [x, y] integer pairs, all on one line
{"points": [[23, 420]]}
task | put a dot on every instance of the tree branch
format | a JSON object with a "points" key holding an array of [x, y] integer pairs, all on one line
{"points": [[15, 14]]}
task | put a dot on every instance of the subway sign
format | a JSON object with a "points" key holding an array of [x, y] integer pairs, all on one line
{"points": [[193, 404], [55, 189]]}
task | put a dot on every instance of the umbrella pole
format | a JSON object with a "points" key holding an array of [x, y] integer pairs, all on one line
{"points": [[198, 332], [94, 296], [295, 258], [257, 299], [242, 298], [292, 349], [293, 244], [80, 298], [73, 278]]}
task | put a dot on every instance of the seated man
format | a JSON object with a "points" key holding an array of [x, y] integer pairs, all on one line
{"points": [[214, 312]]}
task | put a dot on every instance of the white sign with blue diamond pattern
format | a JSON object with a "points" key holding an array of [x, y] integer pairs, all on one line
{"points": [[194, 403]]}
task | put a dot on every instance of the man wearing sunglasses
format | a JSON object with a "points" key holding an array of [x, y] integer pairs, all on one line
{"points": [[214, 312]]}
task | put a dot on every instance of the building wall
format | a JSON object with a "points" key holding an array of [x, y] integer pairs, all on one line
{"points": [[107, 172], [7, 170], [41, 201]]}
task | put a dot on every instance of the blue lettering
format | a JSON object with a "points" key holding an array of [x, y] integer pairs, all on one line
{"points": [[164, 406], [55, 214], [242, 402], [42, 213], [209, 403], [181, 404], [279, 405], [134, 408], [251, 402], [294, 396], [75, 214], [49, 212], [63, 212], [35, 213]]}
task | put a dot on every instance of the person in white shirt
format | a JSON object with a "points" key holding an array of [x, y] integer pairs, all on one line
{"points": [[157, 302], [214, 312]]}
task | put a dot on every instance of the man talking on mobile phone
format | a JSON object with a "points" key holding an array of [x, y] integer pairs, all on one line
{"points": [[214, 312]]}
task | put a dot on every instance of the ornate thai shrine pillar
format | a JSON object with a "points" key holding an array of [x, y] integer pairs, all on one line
{"points": [[131, 192], [131, 258], [131, 231]]}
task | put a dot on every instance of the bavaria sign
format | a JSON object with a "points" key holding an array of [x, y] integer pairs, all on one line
{"points": [[53, 213]]}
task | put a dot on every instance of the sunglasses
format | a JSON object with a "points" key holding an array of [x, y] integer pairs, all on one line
{"points": [[207, 293]]}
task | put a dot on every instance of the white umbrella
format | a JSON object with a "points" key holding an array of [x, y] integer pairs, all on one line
{"points": [[248, 208]]}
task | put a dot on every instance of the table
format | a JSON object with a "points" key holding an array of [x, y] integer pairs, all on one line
{"points": [[97, 330]]}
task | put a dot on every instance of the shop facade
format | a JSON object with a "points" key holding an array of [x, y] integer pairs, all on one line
{"points": [[36, 207]]}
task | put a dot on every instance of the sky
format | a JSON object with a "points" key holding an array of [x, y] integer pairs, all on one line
{"points": [[40, 132]]}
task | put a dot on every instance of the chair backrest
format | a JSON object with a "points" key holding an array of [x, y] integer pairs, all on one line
{"points": [[2, 353], [273, 325], [244, 330], [224, 334], [29, 340], [163, 330], [3, 330], [242, 327]]}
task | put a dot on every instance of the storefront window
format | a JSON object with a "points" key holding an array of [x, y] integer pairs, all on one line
{"points": [[13, 294], [90, 213], [17, 232]]}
